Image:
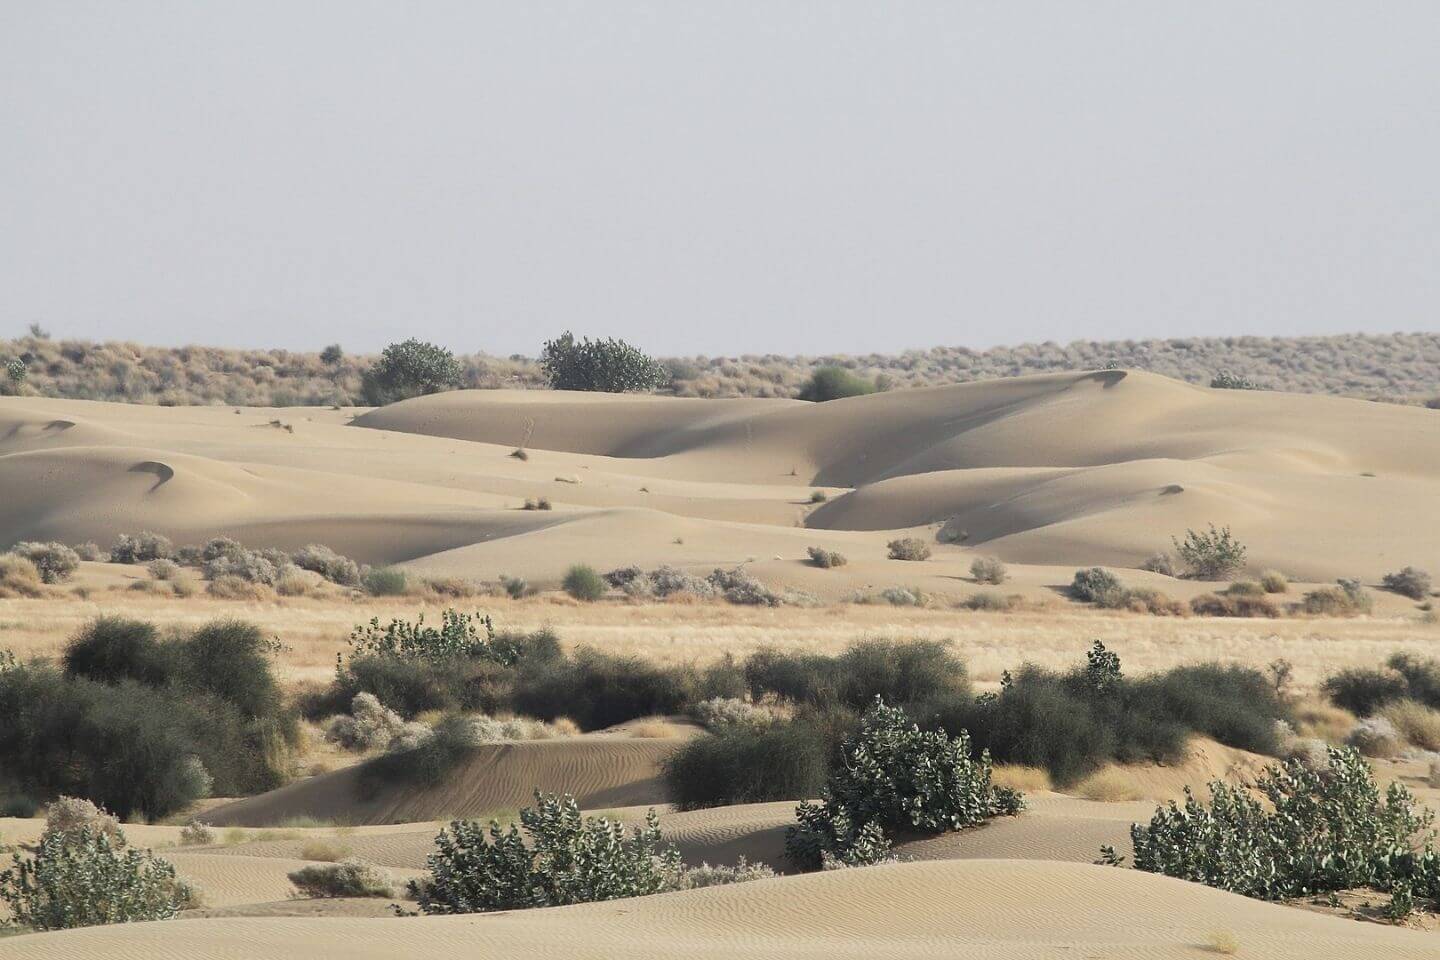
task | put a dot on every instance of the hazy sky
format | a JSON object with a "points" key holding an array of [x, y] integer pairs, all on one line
{"points": [[725, 177]]}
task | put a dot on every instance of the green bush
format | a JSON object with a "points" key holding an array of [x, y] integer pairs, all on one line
{"points": [[82, 879], [1213, 555], [584, 583], [385, 582], [55, 562], [409, 369], [600, 690], [568, 859], [1095, 585], [111, 649], [901, 672], [605, 366], [908, 548], [895, 777], [1365, 691], [1409, 582], [458, 635], [427, 761], [834, 383], [750, 763], [1322, 830]]}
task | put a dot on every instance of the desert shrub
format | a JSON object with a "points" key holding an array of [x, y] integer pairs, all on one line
{"points": [[1212, 555], [1094, 585], [90, 551], [584, 583], [1161, 563], [515, 587], [834, 383], [902, 597], [1416, 723], [1314, 831], [750, 763], [332, 355], [908, 548], [385, 582], [1234, 605], [717, 712], [606, 366], [667, 581], [696, 878], [348, 878], [458, 635], [1422, 677], [738, 587], [1225, 380], [988, 570], [163, 569], [620, 576], [54, 561], [425, 759], [329, 564], [818, 496], [70, 815], [81, 879], [19, 578], [142, 548], [1364, 691], [231, 659], [412, 368], [231, 587], [1409, 582], [568, 859], [1346, 599], [369, 725], [988, 600], [901, 672], [821, 557], [197, 834], [111, 649], [1273, 581], [600, 690], [895, 777]]}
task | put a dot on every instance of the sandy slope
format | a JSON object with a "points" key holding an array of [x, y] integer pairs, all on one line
{"points": [[980, 908], [1064, 469]]}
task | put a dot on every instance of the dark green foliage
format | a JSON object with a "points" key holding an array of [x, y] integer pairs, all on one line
{"points": [[604, 366], [385, 582], [600, 690], [410, 369], [568, 859], [231, 659], [348, 878], [1409, 582], [743, 763], [82, 879], [835, 383], [55, 562], [425, 764], [111, 649], [1323, 830], [332, 355], [894, 777], [459, 635], [901, 672], [1225, 380], [584, 583], [1365, 691]]}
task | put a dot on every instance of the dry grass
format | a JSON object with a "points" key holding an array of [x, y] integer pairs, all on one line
{"points": [[1024, 779], [1108, 785], [326, 851], [1418, 724], [1222, 942], [653, 729], [19, 578], [1319, 719]]}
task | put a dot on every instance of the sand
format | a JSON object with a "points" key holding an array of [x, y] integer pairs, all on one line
{"points": [[1056, 470]]}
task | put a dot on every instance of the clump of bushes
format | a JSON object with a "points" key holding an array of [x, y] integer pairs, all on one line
{"points": [[988, 570], [584, 583], [1094, 585], [695, 878], [82, 878], [1212, 555], [1161, 563], [895, 777], [825, 559], [385, 582], [751, 762], [1317, 829], [834, 383], [329, 564], [1234, 605], [163, 569], [542, 503], [19, 578], [412, 368], [458, 635], [369, 725], [141, 548], [1225, 380], [913, 672], [1409, 582], [1365, 691], [348, 878], [988, 600], [567, 859], [908, 548], [55, 562], [605, 366], [1347, 598], [1273, 581]]}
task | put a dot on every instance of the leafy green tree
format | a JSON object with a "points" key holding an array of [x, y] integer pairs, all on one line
{"points": [[569, 859], [601, 366], [1213, 555], [835, 383], [82, 878], [410, 369]]}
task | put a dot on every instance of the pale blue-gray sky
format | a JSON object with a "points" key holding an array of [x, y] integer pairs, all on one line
{"points": [[721, 177]]}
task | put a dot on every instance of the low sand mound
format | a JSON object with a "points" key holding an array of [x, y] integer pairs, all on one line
{"points": [[599, 771], [1000, 909]]}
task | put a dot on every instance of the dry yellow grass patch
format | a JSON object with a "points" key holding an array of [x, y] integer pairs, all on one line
{"points": [[324, 850], [1109, 785], [1024, 779], [1325, 721], [653, 729], [1417, 723], [1223, 942]]}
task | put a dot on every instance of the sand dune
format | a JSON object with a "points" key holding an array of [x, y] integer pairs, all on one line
{"points": [[1001, 909], [599, 771], [1056, 469]]}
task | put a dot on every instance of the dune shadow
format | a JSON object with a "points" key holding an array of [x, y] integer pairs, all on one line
{"points": [[162, 471]]}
